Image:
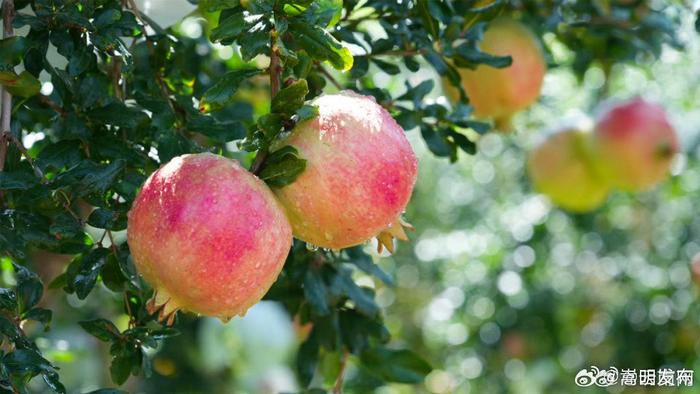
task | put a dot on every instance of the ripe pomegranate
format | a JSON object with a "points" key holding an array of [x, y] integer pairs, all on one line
{"points": [[359, 174], [501, 92], [562, 168], [635, 144], [208, 236]]}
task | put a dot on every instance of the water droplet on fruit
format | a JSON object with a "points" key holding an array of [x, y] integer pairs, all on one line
{"points": [[328, 236], [311, 247]]}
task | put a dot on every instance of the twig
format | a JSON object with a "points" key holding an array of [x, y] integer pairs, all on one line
{"points": [[26, 155], [8, 15], [46, 100], [112, 245], [338, 387], [275, 86], [66, 206], [165, 92], [116, 74], [328, 76]]}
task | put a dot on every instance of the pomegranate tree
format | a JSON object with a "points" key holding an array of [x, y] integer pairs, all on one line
{"points": [[562, 168], [635, 144], [208, 236], [359, 175], [499, 93]]}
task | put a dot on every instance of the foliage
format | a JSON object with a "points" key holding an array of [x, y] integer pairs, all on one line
{"points": [[128, 95]]}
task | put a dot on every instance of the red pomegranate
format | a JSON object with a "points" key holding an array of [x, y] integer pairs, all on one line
{"points": [[359, 176], [208, 236], [636, 144]]}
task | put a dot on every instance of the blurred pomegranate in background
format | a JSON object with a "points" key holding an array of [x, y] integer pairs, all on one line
{"points": [[499, 93], [562, 168], [635, 144]]}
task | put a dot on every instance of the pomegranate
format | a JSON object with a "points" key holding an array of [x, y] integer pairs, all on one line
{"points": [[635, 144], [208, 236], [359, 175], [562, 168], [501, 92]]}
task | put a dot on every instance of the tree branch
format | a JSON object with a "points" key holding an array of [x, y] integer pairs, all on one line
{"points": [[8, 15], [275, 71], [338, 387]]}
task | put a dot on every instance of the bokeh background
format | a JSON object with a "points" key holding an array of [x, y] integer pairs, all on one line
{"points": [[498, 289]]}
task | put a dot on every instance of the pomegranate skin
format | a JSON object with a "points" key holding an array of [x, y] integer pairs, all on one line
{"points": [[636, 144], [208, 236], [501, 92], [562, 168], [359, 175]]}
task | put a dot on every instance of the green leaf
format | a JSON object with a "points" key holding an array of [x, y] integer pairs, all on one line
{"points": [[83, 271], [81, 60], [127, 359], [307, 358], [24, 361], [52, 380], [103, 218], [306, 112], [290, 99], [217, 5], [8, 299], [364, 262], [22, 85], [255, 41], [217, 130], [9, 328], [60, 155], [101, 329], [356, 330], [400, 366], [164, 333], [221, 94], [90, 177], [321, 45], [108, 391], [343, 284], [233, 26], [436, 143], [315, 291], [118, 114], [18, 180], [106, 18], [389, 68], [431, 25], [65, 225], [41, 315], [29, 288], [12, 52], [470, 56], [282, 167]]}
